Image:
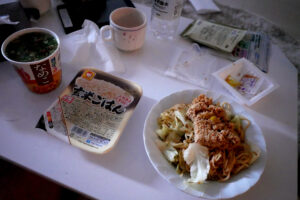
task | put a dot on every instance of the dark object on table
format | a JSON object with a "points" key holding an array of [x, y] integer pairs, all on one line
{"points": [[16, 13], [73, 12], [41, 123], [32, 13]]}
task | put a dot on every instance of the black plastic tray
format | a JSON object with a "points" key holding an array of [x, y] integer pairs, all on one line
{"points": [[72, 14]]}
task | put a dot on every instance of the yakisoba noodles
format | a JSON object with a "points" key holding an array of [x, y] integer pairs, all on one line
{"points": [[212, 131]]}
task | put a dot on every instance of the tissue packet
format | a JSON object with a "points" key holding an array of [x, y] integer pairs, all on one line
{"points": [[216, 36], [93, 110]]}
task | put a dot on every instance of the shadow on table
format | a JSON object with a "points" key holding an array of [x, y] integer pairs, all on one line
{"points": [[129, 158], [281, 143], [22, 107], [278, 161]]}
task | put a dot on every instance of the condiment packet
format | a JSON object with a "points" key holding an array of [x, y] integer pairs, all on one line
{"points": [[254, 47], [216, 36], [93, 110], [245, 81]]}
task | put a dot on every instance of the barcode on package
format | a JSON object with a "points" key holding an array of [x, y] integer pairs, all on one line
{"points": [[88, 137], [97, 140], [79, 131]]}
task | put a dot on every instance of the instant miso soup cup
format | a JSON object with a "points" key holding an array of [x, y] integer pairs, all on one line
{"points": [[42, 75]]}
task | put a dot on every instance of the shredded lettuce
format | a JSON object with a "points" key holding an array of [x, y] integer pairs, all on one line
{"points": [[228, 111], [196, 156], [173, 137], [169, 134], [173, 123], [171, 154], [237, 122], [180, 116], [163, 132], [168, 151]]}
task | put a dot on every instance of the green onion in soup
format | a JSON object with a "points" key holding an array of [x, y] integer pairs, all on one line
{"points": [[31, 47]]}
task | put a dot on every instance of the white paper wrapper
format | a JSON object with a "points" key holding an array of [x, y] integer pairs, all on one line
{"points": [[237, 184], [204, 6]]}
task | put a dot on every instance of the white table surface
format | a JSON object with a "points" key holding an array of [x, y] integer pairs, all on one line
{"points": [[125, 172]]}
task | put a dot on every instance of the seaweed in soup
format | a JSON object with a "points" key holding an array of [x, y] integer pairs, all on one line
{"points": [[31, 47]]}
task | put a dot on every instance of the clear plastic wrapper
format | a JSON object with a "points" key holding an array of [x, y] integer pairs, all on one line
{"points": [[195, 65], [231, 43]]}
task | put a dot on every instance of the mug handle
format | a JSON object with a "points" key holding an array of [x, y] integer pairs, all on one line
{"points": [[104, 29]]}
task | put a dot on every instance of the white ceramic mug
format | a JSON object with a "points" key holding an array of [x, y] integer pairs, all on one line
{"points": [[127, 28]]}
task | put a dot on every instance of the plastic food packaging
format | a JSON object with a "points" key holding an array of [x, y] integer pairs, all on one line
{"points": [[92, 111], [195, 65], [42, 75], [165, 18], [245, 81]]}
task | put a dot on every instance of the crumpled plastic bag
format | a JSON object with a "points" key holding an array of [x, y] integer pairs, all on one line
{"points": [[85, 47]]}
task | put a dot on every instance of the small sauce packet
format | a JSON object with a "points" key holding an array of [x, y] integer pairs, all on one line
{"points": [[93, 110], [248, 84]]}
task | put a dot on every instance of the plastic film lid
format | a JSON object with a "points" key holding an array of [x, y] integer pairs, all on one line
{"points": [[96, 107], [240, 69]]}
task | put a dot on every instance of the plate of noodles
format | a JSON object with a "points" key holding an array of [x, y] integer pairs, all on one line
{"points": [[205, 144]]}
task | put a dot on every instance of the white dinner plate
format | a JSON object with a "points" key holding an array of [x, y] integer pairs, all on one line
{"points": [[237, 184]]}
